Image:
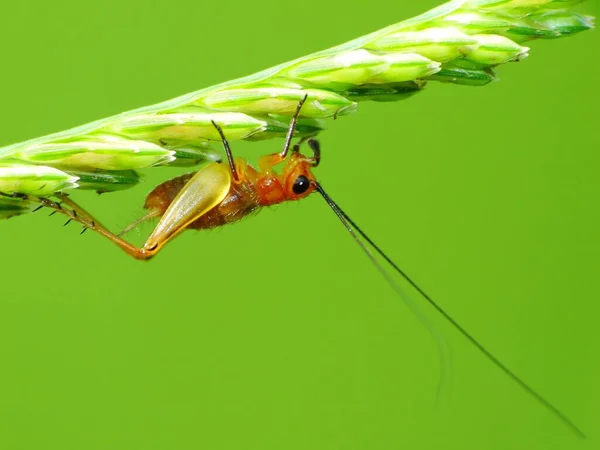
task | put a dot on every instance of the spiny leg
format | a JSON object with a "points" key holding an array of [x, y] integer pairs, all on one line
{"points": [[202, 192], [76, 213], [94, 225], [43, 201]]}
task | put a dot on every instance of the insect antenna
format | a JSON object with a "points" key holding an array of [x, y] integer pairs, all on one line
{"points": [[356, 232]]}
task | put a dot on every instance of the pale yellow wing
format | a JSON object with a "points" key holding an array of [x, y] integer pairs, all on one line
{"points": [[205, 190]]}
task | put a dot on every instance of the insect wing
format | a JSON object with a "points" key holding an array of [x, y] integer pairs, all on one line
{"points": [[205, 190]]}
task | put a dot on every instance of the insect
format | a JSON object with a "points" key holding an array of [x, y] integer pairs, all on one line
{"points": [[221, 193]]}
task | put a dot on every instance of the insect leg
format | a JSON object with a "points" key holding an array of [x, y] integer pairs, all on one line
{"points": [[76, 213], [267, 162], [315, 146], [234, 172], [205, 190], [292, 128]]}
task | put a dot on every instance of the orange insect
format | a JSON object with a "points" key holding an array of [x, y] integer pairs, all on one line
{"points": [[220, 194], [216, 195]]}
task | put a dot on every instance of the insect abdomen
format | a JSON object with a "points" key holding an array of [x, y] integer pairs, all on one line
{"points": [[162, 195], [241, 201]]}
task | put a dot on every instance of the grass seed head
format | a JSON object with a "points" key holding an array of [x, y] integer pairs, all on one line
{"points": [[458, 42]]}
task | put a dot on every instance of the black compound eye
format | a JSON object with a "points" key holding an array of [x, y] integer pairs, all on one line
{"points": [[301, 185]]}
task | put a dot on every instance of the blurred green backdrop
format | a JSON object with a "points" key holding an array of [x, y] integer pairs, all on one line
{"points": [[276, 333]]}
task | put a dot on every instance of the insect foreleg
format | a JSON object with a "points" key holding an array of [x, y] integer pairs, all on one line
{"points": [[269, 161]]}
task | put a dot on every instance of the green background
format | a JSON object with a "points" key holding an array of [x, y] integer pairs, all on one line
{"points": [[277, 333]]}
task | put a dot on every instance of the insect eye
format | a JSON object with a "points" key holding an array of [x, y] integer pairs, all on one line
{"points": [[301, 185]]}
